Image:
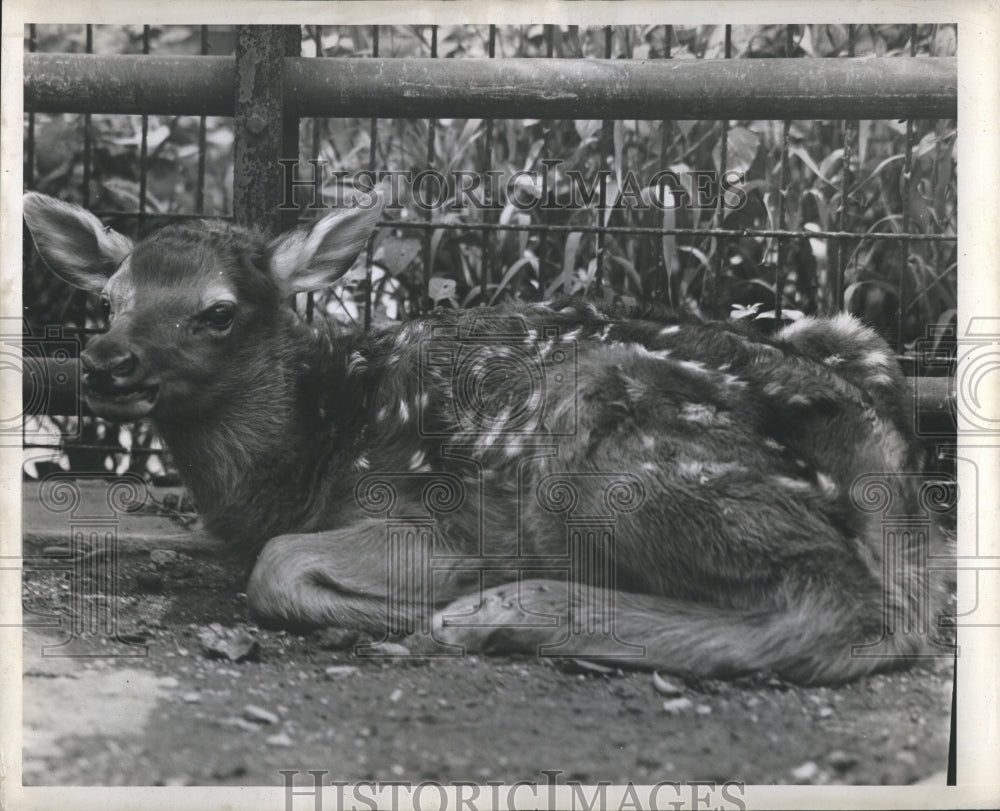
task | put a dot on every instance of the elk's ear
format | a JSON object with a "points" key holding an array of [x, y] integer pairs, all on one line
{"points": [[314, 257], [73, 242]]}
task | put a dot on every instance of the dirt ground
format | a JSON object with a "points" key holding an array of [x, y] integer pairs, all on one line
{"points": [[179, 715]]}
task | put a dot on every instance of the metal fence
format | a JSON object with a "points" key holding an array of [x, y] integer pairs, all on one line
{"points": [[279, 100]]}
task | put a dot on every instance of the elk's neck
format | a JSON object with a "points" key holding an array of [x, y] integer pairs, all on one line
{"points": [[254, 464]]}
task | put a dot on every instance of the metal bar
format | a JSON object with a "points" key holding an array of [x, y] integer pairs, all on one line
{"points": [[431, 135], [259, 126], [907, 177], [292, 35], [87, 134], [199, 200], [372, 164], [710, 283], [606, 145], [29, 147], [143, 146], [486, 259], [506, 88], [611, 229], [779, 269], [851, 140]]}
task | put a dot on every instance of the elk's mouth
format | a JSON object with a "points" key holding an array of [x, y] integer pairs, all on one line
{"points": [[122, 405]]}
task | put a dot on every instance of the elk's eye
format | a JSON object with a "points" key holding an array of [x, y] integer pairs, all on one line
{"points": [[106, 308], [220, 316]]}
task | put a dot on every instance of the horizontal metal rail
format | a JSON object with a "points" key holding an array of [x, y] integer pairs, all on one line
{"points": [[924, 87]]}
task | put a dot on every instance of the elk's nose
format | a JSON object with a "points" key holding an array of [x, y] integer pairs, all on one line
{"points": [[118, 364]]}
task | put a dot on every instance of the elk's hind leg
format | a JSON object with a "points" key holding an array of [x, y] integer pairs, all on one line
{"points": [[821, 636]]}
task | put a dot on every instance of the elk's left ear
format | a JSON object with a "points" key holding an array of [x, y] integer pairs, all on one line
{"points": [[314, 257]]}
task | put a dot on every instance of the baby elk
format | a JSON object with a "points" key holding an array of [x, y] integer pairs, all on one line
{"points": [[557, 478]]}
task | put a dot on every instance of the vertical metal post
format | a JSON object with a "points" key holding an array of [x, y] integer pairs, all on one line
{"points": [[143, 148], [87, 134], [486, 259], [431, 135], [199, 200], [779, 270], [260, 126], [710, 285], [851, 142], [606, 147], [372, 165], [907, 177]]}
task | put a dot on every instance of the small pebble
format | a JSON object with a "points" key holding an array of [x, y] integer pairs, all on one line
{"points": [[258, 714], [336, 671], [191, 698], [825, 712], [703, 709], [677, 705], [160, 557], [233, 644], [807, 771], [395, 695], [664, 687], [841, 761], [389, 649], [281, 739]]}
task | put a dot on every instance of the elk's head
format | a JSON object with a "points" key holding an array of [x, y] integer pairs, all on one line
{"points": [[190, 306]]}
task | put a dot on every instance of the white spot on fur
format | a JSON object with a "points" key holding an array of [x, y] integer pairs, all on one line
{"points": [[798, 399], [404, 411], [648, 442], [416, 460], [605, 333], [702, 414], [383, 412], [362, 463], [833, 360], [827, 485], [693, 366], [705, 471], [424, 401], [531, 337], [572, 335], [773, 444], [798, 485], [650, 467], [670, 330], [659, 354]]}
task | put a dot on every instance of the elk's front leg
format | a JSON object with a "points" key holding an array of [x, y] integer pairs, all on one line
{"points": [[359, 577]]}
